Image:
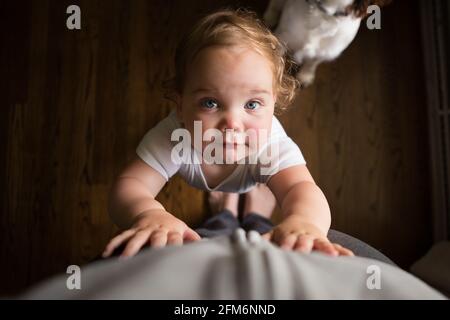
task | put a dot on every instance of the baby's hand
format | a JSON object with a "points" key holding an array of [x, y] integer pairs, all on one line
{"points": [[294, 235], [156, 228]]}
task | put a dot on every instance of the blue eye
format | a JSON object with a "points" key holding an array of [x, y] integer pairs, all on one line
{"points": [[209, 104], [252, 105]]}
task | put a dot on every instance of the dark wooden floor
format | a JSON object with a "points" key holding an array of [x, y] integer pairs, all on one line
{"points": [[74, 105]]}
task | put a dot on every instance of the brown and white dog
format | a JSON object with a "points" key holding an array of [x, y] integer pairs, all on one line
{"points": [[316, 30]]}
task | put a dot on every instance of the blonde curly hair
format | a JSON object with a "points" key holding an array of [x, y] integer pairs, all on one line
{"points": [[229, 27]]}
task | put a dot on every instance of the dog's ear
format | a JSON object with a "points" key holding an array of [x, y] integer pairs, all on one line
{"points": [[381, 3], [359, 7]]}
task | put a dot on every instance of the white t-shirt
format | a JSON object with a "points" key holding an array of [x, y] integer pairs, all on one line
{"points": [[156, 147]]}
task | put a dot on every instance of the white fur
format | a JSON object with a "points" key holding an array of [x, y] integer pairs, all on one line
{"points": [[314, 36]]}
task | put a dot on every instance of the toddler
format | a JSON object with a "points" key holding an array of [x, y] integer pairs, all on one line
{"points": [[232, 75]]}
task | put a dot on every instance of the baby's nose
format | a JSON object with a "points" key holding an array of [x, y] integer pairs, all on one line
{"points": [[231, 121]]}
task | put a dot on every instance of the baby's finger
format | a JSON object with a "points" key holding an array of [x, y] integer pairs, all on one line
{"points": [[304, 244], [158, 238], [267, 236], [288, 241], [343, 251], [190, 235], [136, 243], [325, 247], [174, 238], [117, 241]]}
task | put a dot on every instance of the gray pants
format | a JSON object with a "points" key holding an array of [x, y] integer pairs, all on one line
{"points": [[225, 223], [241, 266]]}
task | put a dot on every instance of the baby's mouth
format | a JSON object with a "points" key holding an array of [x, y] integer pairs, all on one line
{"points": [[234, 139], [233, 145]]}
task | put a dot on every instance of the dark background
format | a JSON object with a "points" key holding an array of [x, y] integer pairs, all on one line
{"points": [[74, 105]]}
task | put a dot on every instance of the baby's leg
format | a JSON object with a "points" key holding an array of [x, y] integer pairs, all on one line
{"points": [[259, 205], [219, 201], [224, 221]]}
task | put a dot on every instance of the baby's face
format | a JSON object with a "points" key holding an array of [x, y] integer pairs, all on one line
{"points": [[229, 89]]}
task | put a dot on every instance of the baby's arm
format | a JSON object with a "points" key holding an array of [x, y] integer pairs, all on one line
{"points": [[305, 210], [133, 207]]}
